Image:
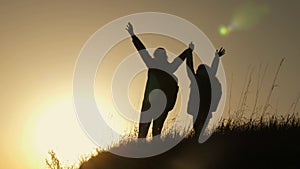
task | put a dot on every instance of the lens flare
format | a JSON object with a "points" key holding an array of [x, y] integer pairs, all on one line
{"points": [[245, 17], [223, 30]]}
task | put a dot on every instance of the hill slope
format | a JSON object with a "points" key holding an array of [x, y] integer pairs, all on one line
{"points": [[264, 146]]}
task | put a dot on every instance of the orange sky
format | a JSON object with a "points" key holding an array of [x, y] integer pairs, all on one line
{"points": [[40, 42]]}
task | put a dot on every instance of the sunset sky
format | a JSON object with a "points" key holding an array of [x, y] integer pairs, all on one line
{"points": [[41, 41]]}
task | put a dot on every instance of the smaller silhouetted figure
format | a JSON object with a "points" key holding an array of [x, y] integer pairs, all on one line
{"points": [[160, 76], [209, 91]]}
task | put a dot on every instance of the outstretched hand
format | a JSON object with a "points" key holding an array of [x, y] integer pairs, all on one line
{"points": [[220, 52], [191, 46], [129, 29]]}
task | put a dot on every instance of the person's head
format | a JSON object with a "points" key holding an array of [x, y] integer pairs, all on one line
{"points": [[201, 69], [160, 53]]}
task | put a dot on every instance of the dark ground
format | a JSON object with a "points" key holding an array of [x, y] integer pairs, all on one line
{"points": [[259, 147]]}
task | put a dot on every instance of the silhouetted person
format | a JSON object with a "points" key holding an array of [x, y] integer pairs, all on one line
{"points": [[209, 91], [160, 76]]}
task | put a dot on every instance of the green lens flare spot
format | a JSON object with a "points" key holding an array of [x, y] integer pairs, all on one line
{"points": [[223, 30]]}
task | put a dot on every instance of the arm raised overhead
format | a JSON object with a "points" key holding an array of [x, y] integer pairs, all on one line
{"points": [[139, 46]]}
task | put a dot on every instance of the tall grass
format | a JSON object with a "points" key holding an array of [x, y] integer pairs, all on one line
{"points": [[229, 129]]}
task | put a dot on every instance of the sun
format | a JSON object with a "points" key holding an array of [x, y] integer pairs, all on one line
{"points": [[56, 128]]}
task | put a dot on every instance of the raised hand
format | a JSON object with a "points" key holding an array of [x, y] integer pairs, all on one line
{"points": [[191, 46], [129, 29], [220, 52]]}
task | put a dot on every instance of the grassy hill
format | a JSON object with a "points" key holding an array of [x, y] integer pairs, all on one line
{"points": [[274, 143]]}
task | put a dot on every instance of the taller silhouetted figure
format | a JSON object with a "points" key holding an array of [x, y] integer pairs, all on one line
{"points": [[209, 89], [160, 76]]}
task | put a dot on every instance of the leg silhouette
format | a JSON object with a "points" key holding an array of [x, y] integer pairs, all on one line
{"points": [[158, 123], [201, 118], [144, 127]]}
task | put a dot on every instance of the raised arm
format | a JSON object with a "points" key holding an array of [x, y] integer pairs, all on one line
{"points": [[179, 59], [215, 63], [190, 67], [139, 46]]}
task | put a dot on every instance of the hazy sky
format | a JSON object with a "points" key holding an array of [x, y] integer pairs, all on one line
{"points": [[40, 42]]}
